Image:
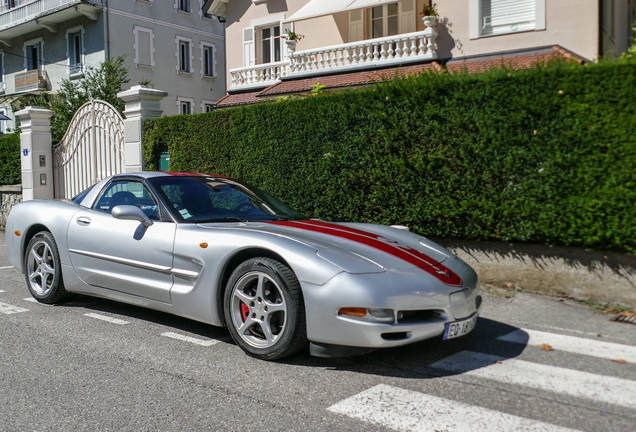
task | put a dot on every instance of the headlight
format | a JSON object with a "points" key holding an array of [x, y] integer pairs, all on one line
{"points": [[385, 316]]}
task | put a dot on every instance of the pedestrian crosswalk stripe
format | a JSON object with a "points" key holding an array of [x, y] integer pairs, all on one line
{"points": [[8, 309], [106, 318], [406, 410], [190, 339], [599, 388], [571, 344]]}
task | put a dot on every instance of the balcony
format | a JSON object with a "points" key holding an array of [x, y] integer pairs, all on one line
{"points": [[27, 16], [32, 80], [389, 51]]}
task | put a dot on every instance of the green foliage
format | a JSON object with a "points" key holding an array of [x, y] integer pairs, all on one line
{"points": [[10, 169], [98, 83], [546, 155], [317, 89], [631, 51]]}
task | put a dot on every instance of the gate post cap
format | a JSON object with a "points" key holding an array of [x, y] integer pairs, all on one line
{"points": [[35, 112], [141, 92]]}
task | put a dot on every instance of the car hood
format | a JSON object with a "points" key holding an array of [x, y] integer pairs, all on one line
{"points": [[358, 248]]}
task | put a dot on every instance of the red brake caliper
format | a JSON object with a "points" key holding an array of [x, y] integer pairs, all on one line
{"points": [[245, 311]]}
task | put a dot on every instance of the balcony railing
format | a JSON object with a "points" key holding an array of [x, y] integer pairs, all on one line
{"points": [[30, 81], [388, 51], [25, 10], [262, 75]]}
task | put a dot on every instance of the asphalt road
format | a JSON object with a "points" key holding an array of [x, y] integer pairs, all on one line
{"points": [[97, 365]]}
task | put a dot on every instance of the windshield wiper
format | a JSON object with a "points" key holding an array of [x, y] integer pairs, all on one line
{"points": [[224, 219]]}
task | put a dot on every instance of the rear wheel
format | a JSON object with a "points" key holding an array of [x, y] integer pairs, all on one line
{"points": [[43, 269], [264, 309]]}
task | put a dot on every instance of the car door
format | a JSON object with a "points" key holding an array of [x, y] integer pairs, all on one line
{"points": [[123, 255]]}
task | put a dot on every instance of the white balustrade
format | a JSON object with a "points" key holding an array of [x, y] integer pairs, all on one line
{"points": [[389, 51], [259, 75]]}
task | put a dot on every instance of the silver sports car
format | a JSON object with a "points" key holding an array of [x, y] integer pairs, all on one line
{"points": [[219, 251]]}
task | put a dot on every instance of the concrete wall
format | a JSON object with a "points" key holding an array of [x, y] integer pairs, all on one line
{"points": [[9, 197], [600, 277]]}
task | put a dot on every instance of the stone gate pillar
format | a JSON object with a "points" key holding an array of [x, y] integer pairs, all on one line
{"points": [[36, 153], [141, 103]]}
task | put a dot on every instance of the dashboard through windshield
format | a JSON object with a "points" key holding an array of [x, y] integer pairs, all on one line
{"points": [[205, 199]]}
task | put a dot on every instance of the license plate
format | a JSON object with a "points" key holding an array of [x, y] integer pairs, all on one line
{"points": [[460, 328]]}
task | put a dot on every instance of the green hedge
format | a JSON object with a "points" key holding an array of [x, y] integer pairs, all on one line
{"points": [[10, 169], [546, 155]]}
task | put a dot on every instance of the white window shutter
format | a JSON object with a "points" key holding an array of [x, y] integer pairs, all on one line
{"points": [[248, 47], [356, 25], [407, 16], [506, 16]]}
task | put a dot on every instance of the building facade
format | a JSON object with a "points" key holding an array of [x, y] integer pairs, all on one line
{"points": [[357, 36], [172, 43]]}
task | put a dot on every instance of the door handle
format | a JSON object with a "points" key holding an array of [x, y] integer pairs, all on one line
{"points": [[83, 221]]}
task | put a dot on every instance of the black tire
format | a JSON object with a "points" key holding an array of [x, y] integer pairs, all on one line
{"points": [[269, 323], [43, 269]]}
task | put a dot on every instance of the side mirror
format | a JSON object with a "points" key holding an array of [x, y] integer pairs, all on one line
{"points": [[129, 212]]}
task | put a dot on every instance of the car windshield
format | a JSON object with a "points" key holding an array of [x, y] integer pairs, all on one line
{"points": [[204, 199]]}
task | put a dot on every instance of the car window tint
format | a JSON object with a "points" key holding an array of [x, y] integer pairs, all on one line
{"points": [[128, 193]]}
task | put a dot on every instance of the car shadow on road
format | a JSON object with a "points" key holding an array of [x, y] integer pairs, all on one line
{"points": [[121, 310], [432, 358], [427, 359]]}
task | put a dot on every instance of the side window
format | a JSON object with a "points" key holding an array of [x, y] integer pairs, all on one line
{"points": [[128, 193]]}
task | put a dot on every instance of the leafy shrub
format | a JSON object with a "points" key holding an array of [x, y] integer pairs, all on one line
{"points": [[546, 155], [10, 165]]}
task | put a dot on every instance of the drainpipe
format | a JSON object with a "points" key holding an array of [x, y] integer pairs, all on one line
{"points": [[106, 30], [600, 28]]}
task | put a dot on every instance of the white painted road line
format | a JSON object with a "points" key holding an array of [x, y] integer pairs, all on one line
{"points": [[571, 344], [6, 267], [8, 309], [599, 388], [1, 291], [190, 339], [406, 410], [106, 318], [32, 300]]}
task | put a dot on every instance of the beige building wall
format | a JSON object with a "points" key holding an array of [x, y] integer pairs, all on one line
{"points": [[573, 24]]}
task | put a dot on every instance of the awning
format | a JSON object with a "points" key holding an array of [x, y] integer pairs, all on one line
{"points": [[318, 8]]}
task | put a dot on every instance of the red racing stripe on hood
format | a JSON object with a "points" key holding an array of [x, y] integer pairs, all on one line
{"points": [[405, 253]]}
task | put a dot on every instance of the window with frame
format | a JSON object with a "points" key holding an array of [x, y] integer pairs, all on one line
{"points": [[144, 50], [208, 60], [185, 107], [183, 5], [509, 16], [75, 52], [128, 193], [270, 44], [34, 56], [185, 64], [384, 20], [208, 107]]}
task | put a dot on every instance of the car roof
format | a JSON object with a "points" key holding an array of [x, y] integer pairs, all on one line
{"points": [[155, 174]]}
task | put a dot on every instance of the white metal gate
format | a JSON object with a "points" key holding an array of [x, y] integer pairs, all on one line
{"points": [[92, 149]]}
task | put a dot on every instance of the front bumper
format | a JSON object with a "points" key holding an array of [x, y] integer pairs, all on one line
{"points": [[406, 289]]}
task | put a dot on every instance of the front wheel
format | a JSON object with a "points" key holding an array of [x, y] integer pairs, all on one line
{"points": [[43, 269], [264, 309]]}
